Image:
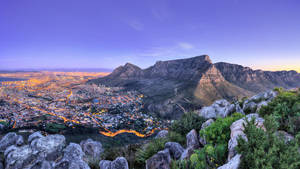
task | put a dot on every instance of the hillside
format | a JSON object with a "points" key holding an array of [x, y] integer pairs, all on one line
{"points": [[172, 87]]}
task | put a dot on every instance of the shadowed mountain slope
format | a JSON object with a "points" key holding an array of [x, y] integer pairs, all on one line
{"points": [[172, 87]]}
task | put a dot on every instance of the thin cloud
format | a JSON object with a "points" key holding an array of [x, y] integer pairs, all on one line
{"points": [[185, 45], [136, 25]]}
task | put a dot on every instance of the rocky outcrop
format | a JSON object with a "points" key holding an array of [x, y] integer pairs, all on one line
{"points": [[10, 139], [192, 139], [118, 163], [186, 154], [253, 104], [237, 130], [92, 148], [175, 149], [44, 152], [162, 134], [192, 143], [49, 147], [73, 158], [220, 108], [105, 164], [161, 160], [233, 163]]}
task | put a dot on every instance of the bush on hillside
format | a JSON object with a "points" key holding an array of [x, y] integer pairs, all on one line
{"points": [[286, 109], [265, 149], [186, 123], [150, 149]]}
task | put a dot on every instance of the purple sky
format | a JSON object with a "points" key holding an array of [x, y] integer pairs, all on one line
{"points": [[107, 33]]}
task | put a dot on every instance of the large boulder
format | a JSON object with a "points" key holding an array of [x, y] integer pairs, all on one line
{"points": [[19, 157], [92, 148], [220, 108], [10, 139], [49, 147], [237, 130], [118, 163], [73, 158], [175, 149], [161, 160], [187, 153], [233, 163], [105, 164], [34, 135], [192, 139], [162, 134]]}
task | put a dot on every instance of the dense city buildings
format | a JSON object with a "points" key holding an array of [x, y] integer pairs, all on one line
{"points": [[59, 100]]}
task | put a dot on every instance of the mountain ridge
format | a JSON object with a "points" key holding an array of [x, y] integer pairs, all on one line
{"points": [[174, 86]]}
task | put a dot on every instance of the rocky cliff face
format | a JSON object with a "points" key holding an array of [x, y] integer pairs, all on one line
{"points": [[174, 86], [258, 80]]}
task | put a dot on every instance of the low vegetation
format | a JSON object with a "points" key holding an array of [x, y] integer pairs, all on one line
{"points": [[264, 149], [177, 133], [286, 110]]}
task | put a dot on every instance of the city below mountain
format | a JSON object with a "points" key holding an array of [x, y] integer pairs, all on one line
{"points": [[177, 86]]}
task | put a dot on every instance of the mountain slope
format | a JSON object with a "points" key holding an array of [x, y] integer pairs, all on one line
{"points": [[174, 86]]}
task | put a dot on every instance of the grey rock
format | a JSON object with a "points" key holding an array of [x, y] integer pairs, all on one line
{"points": [[119, 163], [237, 130], [255, 103], [73, 158], [192, 139], [220, 108], [175, 149], [10, 139], [105, 164], [233, 163], [49, 147], [34, 135], [187, 153], [202, 140], [162, 134], [207, 123], [41, 165], [92, 148], [19, 140], [19, 157], [286, 136], [249, 107], [161, 160]]}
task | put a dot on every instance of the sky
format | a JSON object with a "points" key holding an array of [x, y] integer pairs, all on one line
{"points": [[261, 34]]}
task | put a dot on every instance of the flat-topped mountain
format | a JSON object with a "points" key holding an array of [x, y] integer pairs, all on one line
{"points": [[172, 87]]}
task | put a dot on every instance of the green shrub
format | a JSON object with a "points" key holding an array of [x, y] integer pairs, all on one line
{"points": [[186, 123], [217, 136], [182, 164], [219, 131], [150, 149], [265, 149], [176, 137], [286, 109]]}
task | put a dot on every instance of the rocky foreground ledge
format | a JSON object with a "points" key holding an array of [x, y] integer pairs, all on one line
{"points": [[51, 152]]}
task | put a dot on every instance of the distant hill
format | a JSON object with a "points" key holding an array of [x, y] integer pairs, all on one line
{"points": [[184, 84]]}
